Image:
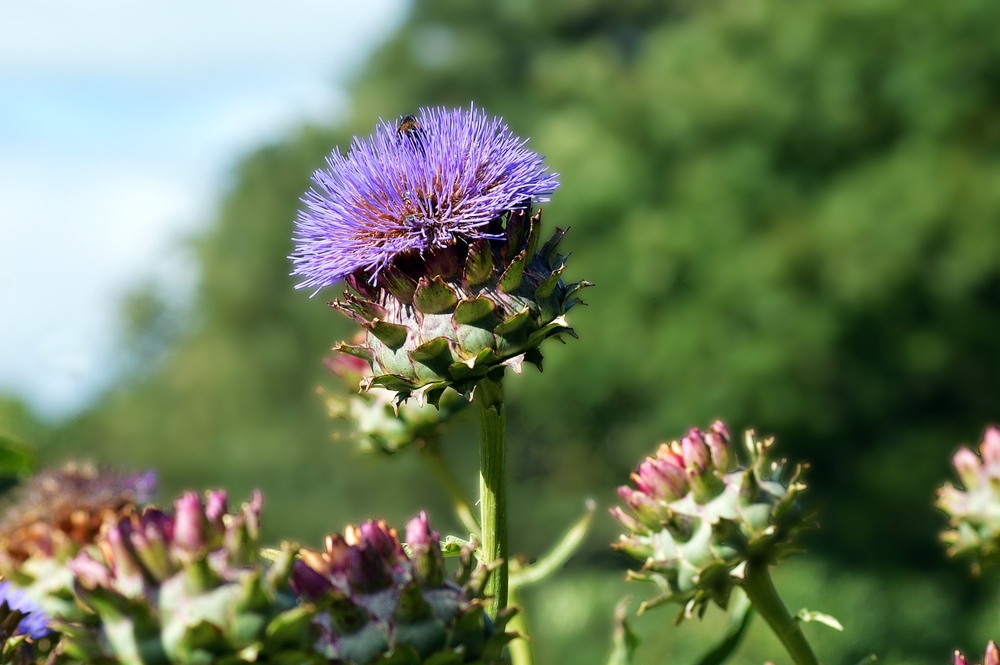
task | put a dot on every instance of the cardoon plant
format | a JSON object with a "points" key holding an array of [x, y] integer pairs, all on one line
{"points": [[429, 221], [702, 525], [378, 601], [973, 508], [189, 587], [53, 515]]}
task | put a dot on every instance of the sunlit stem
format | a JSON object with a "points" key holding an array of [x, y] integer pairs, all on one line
{"points": [[760, 590], [520, 648], [463, 509], [493, 487]]}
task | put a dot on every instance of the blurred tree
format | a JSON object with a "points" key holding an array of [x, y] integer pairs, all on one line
{"points": [[792, 213]]}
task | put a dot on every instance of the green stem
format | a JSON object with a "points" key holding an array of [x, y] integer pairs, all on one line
{"points": [[520, 647], [760, 590], [463, 510], [493, 487]]}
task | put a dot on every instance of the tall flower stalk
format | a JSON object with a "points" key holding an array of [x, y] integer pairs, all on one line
{"points": [[429, 222]]}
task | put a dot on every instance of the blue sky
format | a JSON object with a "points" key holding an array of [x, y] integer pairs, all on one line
{"points": [[119, 120]]}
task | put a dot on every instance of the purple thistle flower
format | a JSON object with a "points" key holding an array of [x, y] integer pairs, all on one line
{"points": [[34, 623], [438, 179]]}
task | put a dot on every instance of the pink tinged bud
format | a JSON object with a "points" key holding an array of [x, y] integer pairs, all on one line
{"points": [[147, 541], [427, 561], [627, 521], [960, 659], [717, 439], [419, 533], [992, 653], [661, 478], [127, 573], [990, 449], [90, 572], [697, 456], [671, 454], [216, 505], [719, 427], [644, 506], [968, 467], [251, 511], [189, 522]]}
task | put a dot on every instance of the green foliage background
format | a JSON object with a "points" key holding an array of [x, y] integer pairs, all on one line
{"points": [[792, 214]]}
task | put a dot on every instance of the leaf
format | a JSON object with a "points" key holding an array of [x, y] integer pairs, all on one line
{"points": [[739, 622], [808, 616]]}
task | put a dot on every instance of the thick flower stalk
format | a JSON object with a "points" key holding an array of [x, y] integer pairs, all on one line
{"points": [[382, 604], [189, 587], [696, 520], [973, 508], [992, 656], [430, 224]]}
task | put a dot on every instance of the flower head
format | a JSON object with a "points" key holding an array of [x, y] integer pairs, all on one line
{"points": [[379, 601], [62, 509], [694, 517], [436, 179], [974, 507], [34, 623]]}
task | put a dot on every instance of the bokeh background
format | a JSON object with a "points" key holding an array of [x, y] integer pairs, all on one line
{"points": [[791, 211]]}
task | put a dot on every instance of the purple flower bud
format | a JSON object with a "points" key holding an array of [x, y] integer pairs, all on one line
{"points": [[428, 562], [626, 520], [89, 571], [379, 538], [216, 505], [308, 582], [419, 533], [189, 522], [697, 457], [717, 439], [366, 570], [644, 506]]}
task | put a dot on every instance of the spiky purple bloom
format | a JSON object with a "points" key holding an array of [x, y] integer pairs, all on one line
{"points": [[34, 623], [430, 183]]}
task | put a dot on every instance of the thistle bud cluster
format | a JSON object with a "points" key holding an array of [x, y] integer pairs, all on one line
{"points": [[187, 587], [973, 507], [694, 518], [375, 598]]}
